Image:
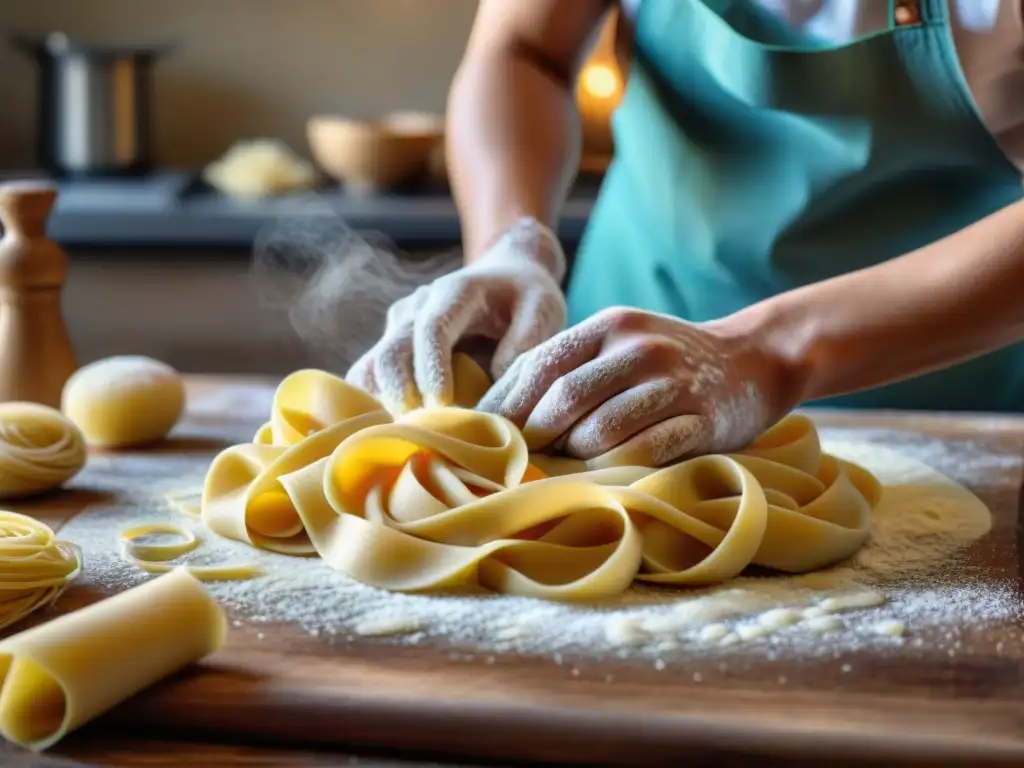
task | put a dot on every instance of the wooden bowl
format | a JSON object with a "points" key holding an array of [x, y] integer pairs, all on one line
{"points": [[374, 154]]}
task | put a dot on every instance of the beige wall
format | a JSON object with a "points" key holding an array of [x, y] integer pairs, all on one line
{"points": [[249, 68]]}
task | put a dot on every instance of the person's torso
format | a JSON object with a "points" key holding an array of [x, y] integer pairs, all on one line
{"points": [[763, 145], [989, 42]]}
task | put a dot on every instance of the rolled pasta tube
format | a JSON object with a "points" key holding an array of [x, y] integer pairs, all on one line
{"points": [[56, 677]]}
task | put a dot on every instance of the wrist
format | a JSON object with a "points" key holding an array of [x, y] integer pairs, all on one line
{"points": [[780, 336], [530, 239]]}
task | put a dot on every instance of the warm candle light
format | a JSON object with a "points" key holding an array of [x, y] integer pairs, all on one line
{"points": [[599, 89], [600, 81]]}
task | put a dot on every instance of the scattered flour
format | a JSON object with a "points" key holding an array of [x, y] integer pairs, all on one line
{"points": [[707, 376], [748, 632], [385, 626], [891, 627], [736, 417], [776, 618], [625, 630], [245, 403], [713, 632], [852, 602], [824, 623], [913, 580]]}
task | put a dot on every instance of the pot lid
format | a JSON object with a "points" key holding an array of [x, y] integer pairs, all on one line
{"points": [[57, 44]]}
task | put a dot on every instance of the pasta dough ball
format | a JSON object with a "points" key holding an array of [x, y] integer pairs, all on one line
{"points": [[40, 449], [259, 168], [124, 401]]}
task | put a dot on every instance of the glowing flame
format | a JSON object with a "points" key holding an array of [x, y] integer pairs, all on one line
{"points": [[600, 81]]}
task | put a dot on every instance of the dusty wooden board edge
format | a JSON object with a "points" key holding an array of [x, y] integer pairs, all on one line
{"points": [[563, 735], [582, 727]]}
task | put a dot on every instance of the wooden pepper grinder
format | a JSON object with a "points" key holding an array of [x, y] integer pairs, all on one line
{"points": [[36, 356]]}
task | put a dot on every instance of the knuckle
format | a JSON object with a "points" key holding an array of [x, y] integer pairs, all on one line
{"points": [[587, 443], [552, 311], [567, 390], [448, 300], [429, 326], [399, 310], [359, 374], [393, 351], [459, 282], [656, 351], [619, 319], [516, 372]]}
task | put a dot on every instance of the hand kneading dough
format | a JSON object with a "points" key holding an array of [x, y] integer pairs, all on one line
{"points": [[60, 675], [40, 449], [450, 499], [124, 401]]}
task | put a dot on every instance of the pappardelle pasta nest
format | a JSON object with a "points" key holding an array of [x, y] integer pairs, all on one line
{"points": [[450, 499]]}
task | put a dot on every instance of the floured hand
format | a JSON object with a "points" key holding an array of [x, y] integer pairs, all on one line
{"points": [[511, 295], [638, 387]]}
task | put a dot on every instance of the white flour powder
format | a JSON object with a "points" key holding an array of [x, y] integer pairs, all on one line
{"points": [[912, 586]]}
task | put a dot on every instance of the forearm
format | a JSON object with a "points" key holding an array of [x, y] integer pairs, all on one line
{"points": [[952, 300], [513, 144]]}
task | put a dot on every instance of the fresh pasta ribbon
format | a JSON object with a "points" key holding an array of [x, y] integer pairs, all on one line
{"points": [[155, 558], [35, 567], [451, 499]]}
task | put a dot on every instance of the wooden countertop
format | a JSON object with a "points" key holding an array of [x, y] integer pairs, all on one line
{"points": [[305, 699]]}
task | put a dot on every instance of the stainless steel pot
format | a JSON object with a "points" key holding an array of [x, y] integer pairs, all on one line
{"points": [[95, 106]]}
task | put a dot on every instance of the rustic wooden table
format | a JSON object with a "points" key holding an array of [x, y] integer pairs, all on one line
{"points": [[288, 698]]}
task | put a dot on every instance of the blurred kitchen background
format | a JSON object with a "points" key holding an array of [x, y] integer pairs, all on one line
{"points": [[172, 162]]}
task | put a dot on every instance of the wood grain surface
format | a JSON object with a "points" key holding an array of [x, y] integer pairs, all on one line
{"points": [[282, 689]]}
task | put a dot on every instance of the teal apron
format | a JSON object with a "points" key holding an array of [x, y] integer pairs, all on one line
{"points": [[752, 159]]}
